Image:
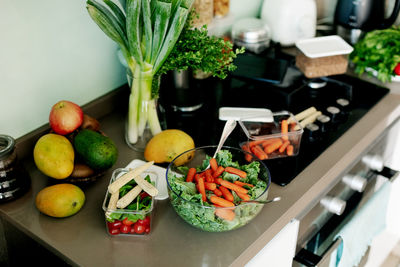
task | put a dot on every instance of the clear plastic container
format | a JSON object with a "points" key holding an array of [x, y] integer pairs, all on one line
{"points": [[130, 222], [221, 8], [204, 12], [268, 140]]}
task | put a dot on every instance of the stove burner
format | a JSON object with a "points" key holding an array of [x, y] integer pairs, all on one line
{"points": [[316, 83]]}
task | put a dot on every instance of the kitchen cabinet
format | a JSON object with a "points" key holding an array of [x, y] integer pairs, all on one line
{"points": [[280, 250]]}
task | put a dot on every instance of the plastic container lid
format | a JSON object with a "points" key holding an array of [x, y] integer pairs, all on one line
{"points": [[161, 183], [325, 46]]}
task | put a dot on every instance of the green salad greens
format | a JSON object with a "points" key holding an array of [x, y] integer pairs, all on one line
{"points": [[378, 51], [188, 203], [142, 204]]}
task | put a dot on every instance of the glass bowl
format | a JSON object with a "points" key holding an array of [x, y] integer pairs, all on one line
{"points": [[204, 215]]}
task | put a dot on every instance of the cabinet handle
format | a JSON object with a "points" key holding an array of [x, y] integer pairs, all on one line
{"points": [[310, 259]]}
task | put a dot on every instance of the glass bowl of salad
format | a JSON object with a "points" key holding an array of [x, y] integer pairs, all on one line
{"points": [[218, 194], [135, 219]]}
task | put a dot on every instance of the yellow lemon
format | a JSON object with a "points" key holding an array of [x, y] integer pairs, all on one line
{"points": [[168, 144]]}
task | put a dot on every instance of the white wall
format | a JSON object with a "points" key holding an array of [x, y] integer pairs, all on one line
{"points": [[50, 50]]}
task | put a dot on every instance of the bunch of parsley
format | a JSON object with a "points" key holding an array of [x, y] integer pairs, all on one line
{"points": [[379, 50]]}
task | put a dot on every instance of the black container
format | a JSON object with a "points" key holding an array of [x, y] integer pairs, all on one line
{"points": [[14, 179]]}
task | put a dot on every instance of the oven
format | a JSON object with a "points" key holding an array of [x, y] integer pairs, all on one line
{"points": [[356, 202]]}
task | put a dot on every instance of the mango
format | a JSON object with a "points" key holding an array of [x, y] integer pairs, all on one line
{"points": [[166, 145], [54, 156], [61, 200], [96, 150]]}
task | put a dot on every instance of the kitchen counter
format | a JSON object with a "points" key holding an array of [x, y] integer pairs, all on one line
{"points": [[82, 239]]}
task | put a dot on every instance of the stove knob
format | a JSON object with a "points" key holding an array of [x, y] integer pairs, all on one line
{"points": [[312, 132], [343, 104], [323, 123], [374, 162], [355, 182], [333, 113], [333, 204]]}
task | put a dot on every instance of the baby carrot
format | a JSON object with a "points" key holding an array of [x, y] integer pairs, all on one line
{"points": [[269, 141], [238, 172], [213, 164], [210, 186], [190, 175], [247, 156], [196, 177], [208, 176], [257, 150], [289, 150], [231, 186], [272, 147], [226, 193], [284, 129], [221, 202], [218, 172], [226, 214], [244, 197], [217, 192], [283, 146], [243, 184], [202, 189], [255, 142]]}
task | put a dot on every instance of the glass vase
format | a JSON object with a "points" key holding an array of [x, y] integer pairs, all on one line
{"points": [[144, 112]]}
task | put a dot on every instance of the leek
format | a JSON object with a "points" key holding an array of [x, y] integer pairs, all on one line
{"points": [[146, 31]]}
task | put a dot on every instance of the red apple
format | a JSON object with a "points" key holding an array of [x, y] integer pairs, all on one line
{"points": [[65, 117]]}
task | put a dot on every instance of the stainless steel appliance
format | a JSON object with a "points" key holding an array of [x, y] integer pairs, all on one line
{"points": [[335, 208], [352, 17]]}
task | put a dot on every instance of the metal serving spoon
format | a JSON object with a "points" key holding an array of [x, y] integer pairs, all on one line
{"points": [[263, 201], [228, 128]]}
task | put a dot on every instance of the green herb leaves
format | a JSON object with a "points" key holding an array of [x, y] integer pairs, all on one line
{"points": [[378, 50]]}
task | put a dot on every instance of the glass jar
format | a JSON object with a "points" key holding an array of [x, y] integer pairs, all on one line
{"points": [[221, 8], [204, 12], [14, 180]]}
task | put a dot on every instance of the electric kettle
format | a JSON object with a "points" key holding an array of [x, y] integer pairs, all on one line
{"points": [[363, 15]]}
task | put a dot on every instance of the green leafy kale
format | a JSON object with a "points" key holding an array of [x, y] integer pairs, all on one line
{"points": [[379, 50]]}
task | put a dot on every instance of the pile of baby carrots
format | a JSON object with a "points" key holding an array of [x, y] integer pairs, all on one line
{"points": [[265, 147], [210, 180]]}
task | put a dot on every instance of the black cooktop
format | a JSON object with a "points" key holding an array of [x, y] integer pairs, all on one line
{"points": [[294, 93]]}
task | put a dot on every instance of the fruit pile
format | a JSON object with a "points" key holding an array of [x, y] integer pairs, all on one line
{"points": [[75, 148]]}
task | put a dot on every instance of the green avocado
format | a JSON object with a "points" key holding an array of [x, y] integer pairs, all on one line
{"points": [[96, 150]]}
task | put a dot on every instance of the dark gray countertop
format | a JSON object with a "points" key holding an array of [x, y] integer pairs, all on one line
{"points": [[82, 239]]}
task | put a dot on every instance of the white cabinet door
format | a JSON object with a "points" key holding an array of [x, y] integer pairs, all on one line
{"points": [[279, 252]]}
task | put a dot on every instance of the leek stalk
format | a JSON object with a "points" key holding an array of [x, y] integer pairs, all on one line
{"points": [[146, 31]]}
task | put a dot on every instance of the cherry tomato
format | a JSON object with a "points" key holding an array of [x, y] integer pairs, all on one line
{"points": [[147, 230], [115, 225], [127, 222], [132, 231], [113, 231], [125, 229], [139, 228], [143, 195], [397, 69], [145, 221]]}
